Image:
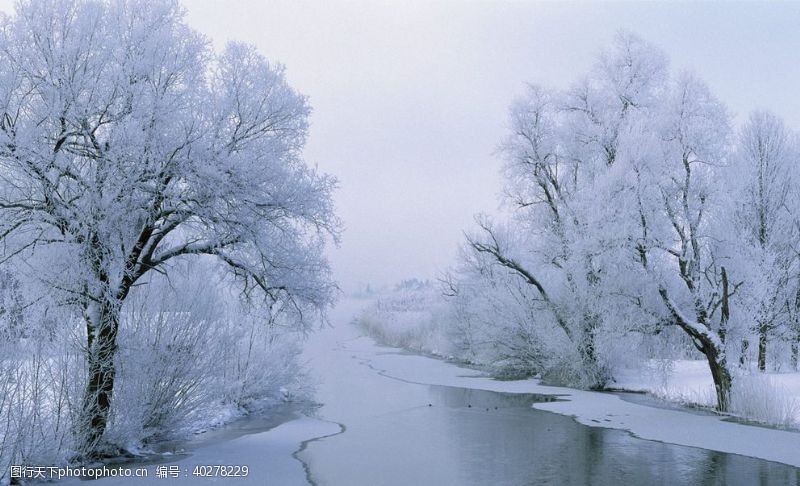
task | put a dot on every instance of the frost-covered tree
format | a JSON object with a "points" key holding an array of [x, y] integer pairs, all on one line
{"points": [[685, 254], [766, 213], [560, 144], [622, 222], [127, 143]]}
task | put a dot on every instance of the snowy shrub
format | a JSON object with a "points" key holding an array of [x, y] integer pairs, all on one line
{"points": [[260, 363], [167, 364], [40, 370], [40, 384], [758, 398], [480, 326], [410, 316], [189, 358], [690, 396]]}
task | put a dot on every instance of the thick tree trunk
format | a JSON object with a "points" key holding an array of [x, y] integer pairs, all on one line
{"points": [[743, 352], [721, 376], [102, 346], [762, 347], [713, 348], [795, 354], [598, 376]]}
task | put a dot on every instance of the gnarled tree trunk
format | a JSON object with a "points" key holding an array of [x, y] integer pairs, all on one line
{"points": [[722, 377], [101, 326], [711, 344], [743, 352], [762, 347]]}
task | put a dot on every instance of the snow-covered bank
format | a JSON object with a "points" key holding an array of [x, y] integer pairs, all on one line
{"points": [[769, 398], [596, 409], [269, 457]]}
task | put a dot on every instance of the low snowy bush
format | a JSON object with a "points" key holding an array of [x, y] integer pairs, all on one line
{"points": [[40, 386], [190, 357], [690, 396], [167, 364], [758, 398], [477, 326], [482, 329], [411, 316], [260, 363]]}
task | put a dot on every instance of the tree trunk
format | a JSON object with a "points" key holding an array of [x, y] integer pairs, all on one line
{"points": [[102, 346], [713, 349], [722, 377], [743, 352], [762, 347], [795, 354], [598, 376]]}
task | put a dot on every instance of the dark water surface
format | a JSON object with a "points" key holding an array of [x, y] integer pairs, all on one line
{"points": [[463, 436]]}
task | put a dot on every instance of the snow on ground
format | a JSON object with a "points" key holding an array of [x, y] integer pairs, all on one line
{"points": [[268, 455], [767, 397], [682, 380]]}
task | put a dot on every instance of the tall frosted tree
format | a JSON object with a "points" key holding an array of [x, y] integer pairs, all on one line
{"points": [[766, 210], [128, 143], [560, 143], [623, 220], [686, 250]]}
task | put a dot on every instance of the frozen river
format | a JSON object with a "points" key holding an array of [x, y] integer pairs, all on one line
{"points": [[476, 437], [397, 432]]}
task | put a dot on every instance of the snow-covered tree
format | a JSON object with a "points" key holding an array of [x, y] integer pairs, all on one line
{"points": [[127, 143], [765, 164], [560, 144], [683, 254], [622, 220]]}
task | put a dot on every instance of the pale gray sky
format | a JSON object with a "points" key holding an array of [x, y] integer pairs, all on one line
{"points": [[410, 96]]}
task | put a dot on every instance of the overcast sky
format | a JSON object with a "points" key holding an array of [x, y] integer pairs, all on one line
{"points": [[410, 97]]}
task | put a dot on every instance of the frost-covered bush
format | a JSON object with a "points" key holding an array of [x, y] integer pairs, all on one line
{"points": [[477, 325], [260, 362], [41, 371], [167, 367], [193, 356], [412, 315], [758, 398], [504, 336]]}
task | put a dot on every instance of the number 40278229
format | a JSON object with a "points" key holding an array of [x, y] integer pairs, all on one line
{"points": [[220, 471]]}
